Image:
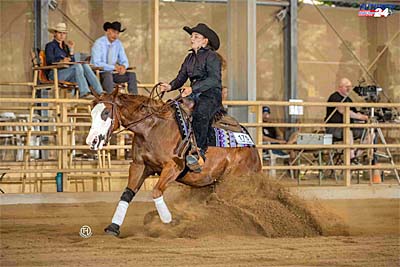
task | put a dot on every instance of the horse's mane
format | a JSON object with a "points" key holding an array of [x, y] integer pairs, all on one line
{"points": [[157, 107]]}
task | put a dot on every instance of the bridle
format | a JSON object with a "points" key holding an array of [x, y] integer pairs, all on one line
{"points": [[115, 115], [114, 109]]}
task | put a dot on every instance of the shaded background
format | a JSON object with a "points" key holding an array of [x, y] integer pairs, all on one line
{"points": [[322, 57]]}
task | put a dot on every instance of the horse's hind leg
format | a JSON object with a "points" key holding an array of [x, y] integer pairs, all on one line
{"points": [[169, 173], [137, 174]]}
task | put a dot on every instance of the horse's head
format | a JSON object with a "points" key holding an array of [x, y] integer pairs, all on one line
{"points": [[105, 120], [112, 110]]}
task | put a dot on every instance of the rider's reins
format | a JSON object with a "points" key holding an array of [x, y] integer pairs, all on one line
{"points": [[130, 124]]}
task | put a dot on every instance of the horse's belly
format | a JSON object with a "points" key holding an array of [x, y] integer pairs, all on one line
{"points": [[223, 162], [197, 179]]}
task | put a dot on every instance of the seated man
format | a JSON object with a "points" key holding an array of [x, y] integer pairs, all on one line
{"points": [[274, 135], [335, 114], [60, 50], [108, 52]]}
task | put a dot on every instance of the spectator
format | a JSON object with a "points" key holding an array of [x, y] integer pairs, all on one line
{"points": [[335, 114], [60, 50], [274, 135], [108, 52]]}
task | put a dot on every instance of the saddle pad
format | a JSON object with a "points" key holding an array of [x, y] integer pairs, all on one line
{"points": [[218, 137], [180, 119], [226, 138]]}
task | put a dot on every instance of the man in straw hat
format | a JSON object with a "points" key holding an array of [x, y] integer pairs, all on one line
{"points": [[109, 53], [60, 50], [203, 67]]}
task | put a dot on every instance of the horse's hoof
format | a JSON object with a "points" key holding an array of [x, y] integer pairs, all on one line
{"points": [[112, 229]]}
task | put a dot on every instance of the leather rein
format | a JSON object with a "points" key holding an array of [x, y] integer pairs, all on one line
{"points": [[114, 109]]}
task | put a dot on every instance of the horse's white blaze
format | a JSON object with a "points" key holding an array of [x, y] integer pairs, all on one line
{"points": [[99, 128], [163, 210]]}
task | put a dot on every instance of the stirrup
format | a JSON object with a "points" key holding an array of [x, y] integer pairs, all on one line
{"points": [[194, 164]]}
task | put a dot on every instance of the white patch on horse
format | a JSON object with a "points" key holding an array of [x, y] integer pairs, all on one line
{"points": [[99, 128]]}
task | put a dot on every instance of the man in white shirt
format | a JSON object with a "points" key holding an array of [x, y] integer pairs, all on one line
{"points": [[109, 53]]}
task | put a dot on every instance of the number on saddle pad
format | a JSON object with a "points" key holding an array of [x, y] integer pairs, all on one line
{"points": [[243, 139]]}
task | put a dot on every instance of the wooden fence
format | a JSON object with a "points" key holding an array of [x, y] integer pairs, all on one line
{"points": [[63, 123]]}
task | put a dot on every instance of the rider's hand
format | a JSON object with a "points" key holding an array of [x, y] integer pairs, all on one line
{"points": [[165, 87], [186, 91]]}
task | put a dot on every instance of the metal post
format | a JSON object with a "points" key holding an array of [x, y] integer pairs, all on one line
{"points": [[41, 38], [252, 60], [290, 47], [242, 56], [41, 13]]}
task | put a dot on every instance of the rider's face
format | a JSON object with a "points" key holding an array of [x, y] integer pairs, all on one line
{"points": [[197, 41]]}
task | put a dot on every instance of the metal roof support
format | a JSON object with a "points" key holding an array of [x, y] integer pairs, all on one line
{"points": [[290, 56], [242, 75], [41, 13], [41, 38], [252, 58]]}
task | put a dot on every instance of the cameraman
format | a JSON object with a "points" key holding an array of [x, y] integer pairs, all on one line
{"points": [[335, 114]]}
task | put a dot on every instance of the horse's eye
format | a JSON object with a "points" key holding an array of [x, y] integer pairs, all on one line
{"points": [[105, 114]]}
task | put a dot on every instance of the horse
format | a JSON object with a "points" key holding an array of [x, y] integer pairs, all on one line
{"points": [[154, 150]]}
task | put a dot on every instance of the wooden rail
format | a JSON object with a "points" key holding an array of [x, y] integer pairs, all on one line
{"points": [[64, 146]]}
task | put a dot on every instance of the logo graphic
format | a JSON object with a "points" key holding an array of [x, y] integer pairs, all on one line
{"points": [[85, 231], [375, 10]]}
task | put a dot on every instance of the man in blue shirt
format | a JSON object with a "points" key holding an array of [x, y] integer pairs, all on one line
{"points": [[108, 52]]}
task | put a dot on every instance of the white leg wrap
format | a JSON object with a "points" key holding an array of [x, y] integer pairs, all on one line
{"points": [[120, 212], [162, 209]]}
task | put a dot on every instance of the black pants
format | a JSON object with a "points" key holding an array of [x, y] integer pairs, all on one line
{"points": [[207, 104], [108, 79]]}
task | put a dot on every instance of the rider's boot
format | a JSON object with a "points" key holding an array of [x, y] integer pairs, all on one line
{"points": [[196, 162]]}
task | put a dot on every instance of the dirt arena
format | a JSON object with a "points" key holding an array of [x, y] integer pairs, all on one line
{"points": [[258, 224]]}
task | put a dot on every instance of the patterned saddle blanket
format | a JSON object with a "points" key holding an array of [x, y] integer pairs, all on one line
{"points": [[226, 132]]}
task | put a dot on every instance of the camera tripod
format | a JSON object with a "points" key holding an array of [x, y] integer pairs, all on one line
{"points": [[376, 133]]}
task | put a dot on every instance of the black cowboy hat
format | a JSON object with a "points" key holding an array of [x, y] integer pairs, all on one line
{"points": [[116, 25], [203, 29]]}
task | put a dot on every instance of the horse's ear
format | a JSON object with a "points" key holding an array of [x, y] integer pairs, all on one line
{"points": [[96, 95]]}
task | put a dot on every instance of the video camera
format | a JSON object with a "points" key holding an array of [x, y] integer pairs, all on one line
{"points": [[369, 92], [381, 114]]}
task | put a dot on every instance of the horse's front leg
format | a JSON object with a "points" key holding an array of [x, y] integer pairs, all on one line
{"points": [[137, 175], [168, 174]]}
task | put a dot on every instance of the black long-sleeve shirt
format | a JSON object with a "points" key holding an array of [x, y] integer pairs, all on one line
{"points": [[203, 69]]}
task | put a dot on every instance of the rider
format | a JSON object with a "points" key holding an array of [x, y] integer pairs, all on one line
{"points": [[203, 67]]}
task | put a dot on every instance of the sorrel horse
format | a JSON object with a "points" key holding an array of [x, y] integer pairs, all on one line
{"points": [[154, 148]]}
